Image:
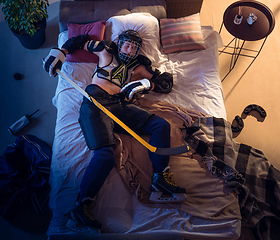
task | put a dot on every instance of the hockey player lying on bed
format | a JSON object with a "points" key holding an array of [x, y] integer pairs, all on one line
{"points": [[120, 74]]}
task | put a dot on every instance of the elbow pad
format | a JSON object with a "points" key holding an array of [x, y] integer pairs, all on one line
{"points": [[98, 46], [147, 63], [95, 46], [153, 71], [163, 83], [75, 43]]}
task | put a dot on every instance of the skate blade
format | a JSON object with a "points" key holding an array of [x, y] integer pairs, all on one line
{"points": [[159, 197], [77, 227]]}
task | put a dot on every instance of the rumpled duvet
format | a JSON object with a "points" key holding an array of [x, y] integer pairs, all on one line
{"points": [[208, 196], [245, 169], [217, 169]]}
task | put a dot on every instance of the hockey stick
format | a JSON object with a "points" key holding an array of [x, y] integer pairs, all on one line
{"points": [[159, 151]]}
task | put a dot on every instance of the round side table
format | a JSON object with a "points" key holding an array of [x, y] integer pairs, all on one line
{"points": [[247, 20], [257, 30]]}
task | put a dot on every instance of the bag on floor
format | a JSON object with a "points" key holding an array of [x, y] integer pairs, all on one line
{"points": [[24, 172]]}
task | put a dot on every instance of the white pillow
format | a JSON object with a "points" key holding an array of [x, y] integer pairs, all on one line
{"points": [[145, 24]]}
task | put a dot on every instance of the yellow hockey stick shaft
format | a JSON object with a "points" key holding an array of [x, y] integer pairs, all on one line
{"points": [[106, 111]]}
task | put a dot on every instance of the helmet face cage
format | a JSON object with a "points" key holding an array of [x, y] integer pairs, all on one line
{"points": [[132, 37]]}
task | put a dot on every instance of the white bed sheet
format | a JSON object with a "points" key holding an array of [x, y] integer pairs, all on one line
{"points": [[197, 86]]}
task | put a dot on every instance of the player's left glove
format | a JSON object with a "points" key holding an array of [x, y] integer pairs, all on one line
{"points": [[130, 89]]}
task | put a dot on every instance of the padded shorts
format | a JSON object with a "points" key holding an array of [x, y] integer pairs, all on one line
{"points": [[98, 128]]}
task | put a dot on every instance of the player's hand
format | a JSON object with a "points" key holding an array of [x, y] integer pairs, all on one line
{"points": [[54, 61], [130, 89]]}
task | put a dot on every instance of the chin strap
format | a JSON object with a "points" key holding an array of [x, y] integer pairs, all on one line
{"points": [[159, 151]]}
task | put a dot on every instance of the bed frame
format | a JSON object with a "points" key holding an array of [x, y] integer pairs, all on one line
{"points": [[209, 212], [74, 11], [83, 12]]}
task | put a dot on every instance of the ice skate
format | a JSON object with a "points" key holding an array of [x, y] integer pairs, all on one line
{"points": [[82, 221], [165, 190]]}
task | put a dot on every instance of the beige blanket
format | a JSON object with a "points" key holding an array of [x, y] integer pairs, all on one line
{"points": [[207, 195]]}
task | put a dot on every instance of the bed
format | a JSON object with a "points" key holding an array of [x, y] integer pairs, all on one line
{"points": [[212, 208]]}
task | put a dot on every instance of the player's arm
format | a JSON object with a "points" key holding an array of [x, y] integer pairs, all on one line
{"points": [[162, 82], [98, 46], [153, 80], [57, 56]]}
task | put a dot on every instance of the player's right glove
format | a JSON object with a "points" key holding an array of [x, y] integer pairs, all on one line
{"points": [[54, 61]]}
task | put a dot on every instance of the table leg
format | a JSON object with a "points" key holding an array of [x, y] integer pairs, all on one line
{"points": [[237, 53]]}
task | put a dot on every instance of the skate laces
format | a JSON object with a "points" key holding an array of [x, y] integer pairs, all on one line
{"points": [[87, 212], [168, 178]]}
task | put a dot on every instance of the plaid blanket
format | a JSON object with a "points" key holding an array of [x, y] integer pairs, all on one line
{"points": [[245, 170]]}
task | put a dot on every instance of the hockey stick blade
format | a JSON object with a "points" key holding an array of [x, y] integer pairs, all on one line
{"points": [[159, 151], [173, 151]]}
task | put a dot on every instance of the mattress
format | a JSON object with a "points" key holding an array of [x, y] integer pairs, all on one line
{"points": [[210, 211]]}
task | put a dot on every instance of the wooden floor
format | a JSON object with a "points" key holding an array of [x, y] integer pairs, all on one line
{"points": [[259, 84]]}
